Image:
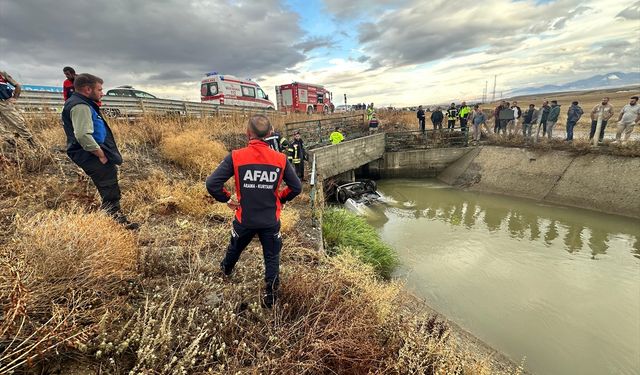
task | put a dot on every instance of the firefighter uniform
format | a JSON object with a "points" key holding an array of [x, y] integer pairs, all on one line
{"points": [[297, 157], [452, 114], [258, 172]]}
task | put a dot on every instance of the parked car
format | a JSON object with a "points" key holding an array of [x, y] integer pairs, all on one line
{"points": [[344, 108], [129, 91]]}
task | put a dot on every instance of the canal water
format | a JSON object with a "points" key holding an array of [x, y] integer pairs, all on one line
{"points": [[558, 287]]}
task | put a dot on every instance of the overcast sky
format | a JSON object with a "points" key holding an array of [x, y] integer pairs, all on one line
{"points": [[390, 52]]}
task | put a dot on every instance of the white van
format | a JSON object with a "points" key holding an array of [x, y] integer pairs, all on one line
{"points": [[229, 90]]}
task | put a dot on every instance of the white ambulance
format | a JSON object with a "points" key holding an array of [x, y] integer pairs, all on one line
{"points": [[229, 90]]}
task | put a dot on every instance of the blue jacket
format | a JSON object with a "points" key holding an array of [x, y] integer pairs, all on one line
{"points": [[101, 132]]}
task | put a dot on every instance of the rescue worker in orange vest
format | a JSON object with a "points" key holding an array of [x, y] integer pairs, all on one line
{"points": [[258, 171]]}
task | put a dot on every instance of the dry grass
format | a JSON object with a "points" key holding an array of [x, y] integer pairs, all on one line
{"points": [[193, 151], [59, 276]]}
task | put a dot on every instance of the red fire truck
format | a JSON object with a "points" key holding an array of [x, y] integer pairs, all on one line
{"points": [[303, 97]]}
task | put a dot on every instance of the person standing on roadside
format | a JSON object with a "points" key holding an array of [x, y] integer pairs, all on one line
{"points": [[530, 117], [513, 124], [436, 118], [67, 85], [421, 118], [552, 118], [12, 122], [336, 136], [297, 154], [452, 114], [496, 117], [464, 113], [543, 114], [628, 118], [607, 113], [258, 171], [573, 116], [370, 112], [478, 118], [91, 145]]}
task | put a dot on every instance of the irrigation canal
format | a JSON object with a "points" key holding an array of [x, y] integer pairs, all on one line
{"points": [[557, 286]]}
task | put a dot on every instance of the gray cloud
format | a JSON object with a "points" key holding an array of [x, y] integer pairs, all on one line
{"points": [[632, 12], [342, 9], [314, 43], [137, 42], [415, 34]]}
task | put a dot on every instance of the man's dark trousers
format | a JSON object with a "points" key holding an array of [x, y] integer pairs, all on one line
{"points": [[570, 126], [594, 124], [451, 124], [421, 122], [299, 167], [271, 244], [463, 124], [105, 178]]}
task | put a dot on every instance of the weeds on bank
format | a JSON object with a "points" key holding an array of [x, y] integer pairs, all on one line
{"points": [[58, 277], [345, 231]]}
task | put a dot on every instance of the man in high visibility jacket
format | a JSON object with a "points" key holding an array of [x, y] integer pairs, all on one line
{"points": [[336, 137], [370, 112], [452, 114], [258, 172], [464, 113], [297, 155]]}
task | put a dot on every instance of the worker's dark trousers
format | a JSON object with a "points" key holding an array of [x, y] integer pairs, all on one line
{"points": [[105, 178], [271, 245], [463, 124], [421, 124], [299, 167], [451, 124]]}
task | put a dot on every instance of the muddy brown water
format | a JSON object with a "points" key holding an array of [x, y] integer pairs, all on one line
{"points": [[556, 286]]}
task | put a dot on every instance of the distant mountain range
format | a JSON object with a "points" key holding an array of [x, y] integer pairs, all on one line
{"points": [[609, 80]]}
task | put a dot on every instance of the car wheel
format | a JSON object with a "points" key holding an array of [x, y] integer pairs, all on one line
{"points": [[310, 110]]}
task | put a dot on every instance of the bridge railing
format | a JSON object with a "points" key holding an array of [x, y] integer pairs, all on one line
{"points": [[42, 102], [316, 132], [432, 138]]}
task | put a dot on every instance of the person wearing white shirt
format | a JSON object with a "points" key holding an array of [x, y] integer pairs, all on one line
{"points": [[628, 118]]}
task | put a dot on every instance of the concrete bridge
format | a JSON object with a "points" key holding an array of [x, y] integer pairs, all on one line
{"points": [[385, 155]]}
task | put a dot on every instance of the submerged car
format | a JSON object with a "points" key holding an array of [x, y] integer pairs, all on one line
{"points": [[357, 196]]}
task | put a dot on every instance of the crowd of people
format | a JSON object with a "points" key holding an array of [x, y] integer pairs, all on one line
{"points": [[509, 119]]}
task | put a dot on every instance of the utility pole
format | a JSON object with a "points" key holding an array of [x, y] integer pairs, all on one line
{"points": [[484, 93], [495, 77]]}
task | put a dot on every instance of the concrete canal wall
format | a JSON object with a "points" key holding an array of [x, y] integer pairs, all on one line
{"points": [[600, 182]]}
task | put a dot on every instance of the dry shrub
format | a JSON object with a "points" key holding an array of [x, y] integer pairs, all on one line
{"points": [[193, 151], [160, 195], [58, 278]]}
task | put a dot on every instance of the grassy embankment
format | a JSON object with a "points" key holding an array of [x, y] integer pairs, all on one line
{"points": [[80, 295]]}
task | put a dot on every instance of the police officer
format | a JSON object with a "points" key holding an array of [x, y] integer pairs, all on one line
{"points": [[297, 155], [91, 145], [258, 171], [11, 121], [452, 114]]}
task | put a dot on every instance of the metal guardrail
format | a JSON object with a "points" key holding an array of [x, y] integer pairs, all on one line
{"points": [[42, 102]]}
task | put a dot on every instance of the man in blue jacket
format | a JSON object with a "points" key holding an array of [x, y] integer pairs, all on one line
{"points": [[573, 115], [91, 145]]}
